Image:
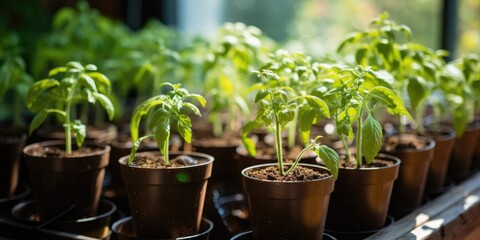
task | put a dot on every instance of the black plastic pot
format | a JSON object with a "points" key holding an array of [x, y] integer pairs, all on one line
{"points": [[361, 197], [288, 210], [123, 230], [97, 226], [167, 202], [249, 236], [60, 183], [409, 188], [462, 154], [437, 172], [12, 142]]}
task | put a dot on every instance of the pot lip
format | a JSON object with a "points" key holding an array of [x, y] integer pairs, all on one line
{"points": [[396, 162], [105, 148], [209, 158], [430, 143], [286, 164]]}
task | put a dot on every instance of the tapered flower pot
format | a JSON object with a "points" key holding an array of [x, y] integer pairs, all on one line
{"points": [[361, 197], [12, 142], [288, 210], [437, 172], [462, 154], [167, 202], [60, 182], [409, 187]]}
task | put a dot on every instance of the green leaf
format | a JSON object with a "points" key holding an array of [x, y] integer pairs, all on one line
{"points": [[135, 147], [329, 157], [139, 112], [285, 116], [80, 132], [91, 67], [100, 78], [184, 126], [41, 116], [192, 107], [305, 124], [261, 94], [38, 88], [361, 56], [249, 143], [159, 116], [318, 104], [372, 138], [37, 121], [56, 71], [162, 135], [392, 101], [74, 65], [106, 104], [200, 99], [89, 82], [416, 92]]}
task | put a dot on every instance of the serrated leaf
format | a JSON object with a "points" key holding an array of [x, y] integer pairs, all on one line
{"points": [[184, 126], [106, 104], [392, 101], [329, 157], [372, 138], [285, 116]]}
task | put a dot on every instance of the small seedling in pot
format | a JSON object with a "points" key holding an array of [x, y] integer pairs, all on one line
{"points": [[166, 109], [359, 91], [277, 104], [66, 87]]}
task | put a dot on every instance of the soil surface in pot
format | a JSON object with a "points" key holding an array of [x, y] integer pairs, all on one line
{"points": [[151, 160], [406, 142], [299, 174], [57, 152]]}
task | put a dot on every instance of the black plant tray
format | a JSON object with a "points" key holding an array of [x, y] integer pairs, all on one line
{"points": [[10, 228]]}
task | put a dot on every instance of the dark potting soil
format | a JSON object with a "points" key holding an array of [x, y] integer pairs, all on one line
{"points": [[299, 174], [152, 160], [60, 152], [405, 142]]}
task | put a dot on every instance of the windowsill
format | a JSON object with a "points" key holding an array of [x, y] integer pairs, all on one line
{"points": [[453, 215]]}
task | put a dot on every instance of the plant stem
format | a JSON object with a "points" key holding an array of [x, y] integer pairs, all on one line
{"points": [[345, 146], [299, 157], [278, 141], [358, 155], [166, 157], [67, 124]]}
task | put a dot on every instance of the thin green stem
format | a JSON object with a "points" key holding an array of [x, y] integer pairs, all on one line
{"points": [[67, 125], [166, 157], [299, 157], [358, 155], [278, 141], [345, 147]]}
